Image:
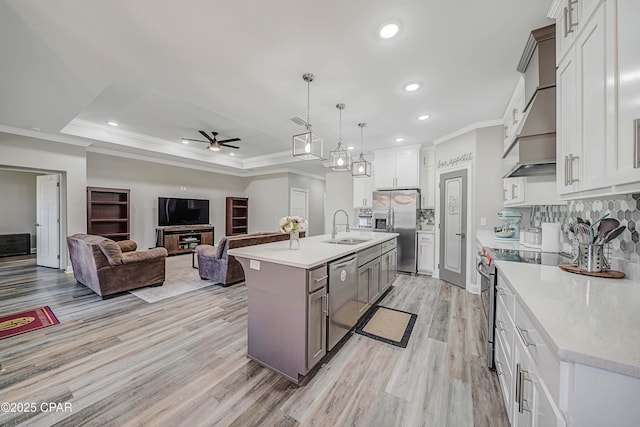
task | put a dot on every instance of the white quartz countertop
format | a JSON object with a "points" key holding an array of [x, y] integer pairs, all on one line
{"points": [[590, 320], [313, 250], [486, 239]]}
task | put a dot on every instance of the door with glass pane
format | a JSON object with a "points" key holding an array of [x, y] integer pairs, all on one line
{"points": [[453, 227]]}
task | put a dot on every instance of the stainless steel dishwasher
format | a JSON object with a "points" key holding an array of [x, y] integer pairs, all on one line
{"points": [[343, 292]]}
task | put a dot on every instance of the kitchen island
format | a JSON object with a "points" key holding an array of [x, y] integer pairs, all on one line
{"points": [[302, 302]]}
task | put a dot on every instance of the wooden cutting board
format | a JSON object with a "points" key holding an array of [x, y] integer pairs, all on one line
{"points": [[611, 274]]}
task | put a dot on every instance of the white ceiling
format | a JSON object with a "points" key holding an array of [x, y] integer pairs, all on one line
{"points": [[166, 69]]}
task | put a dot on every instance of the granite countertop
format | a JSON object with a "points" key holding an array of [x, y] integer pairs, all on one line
{"points": [[313, 250], [589, 320]]}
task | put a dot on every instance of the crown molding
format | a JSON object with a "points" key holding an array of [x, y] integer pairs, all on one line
{"points": [[54, 137], [555, 9], [474, 126]]}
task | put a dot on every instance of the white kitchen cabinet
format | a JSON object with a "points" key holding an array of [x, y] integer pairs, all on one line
{"points": [[428, 179], [397, 168], [426, 253], [513, 114], [598, 89], [571, 16], [362, 192], [624, 165], [513, 191]]}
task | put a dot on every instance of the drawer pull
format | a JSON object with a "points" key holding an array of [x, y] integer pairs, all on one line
{"points": [[320, 279], [525, 340]]}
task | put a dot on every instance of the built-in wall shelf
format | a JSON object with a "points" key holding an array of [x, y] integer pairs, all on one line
{"points": [[108, 212]]}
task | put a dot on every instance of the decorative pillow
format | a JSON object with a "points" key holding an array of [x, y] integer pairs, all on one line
{"points": [[111, 251]]}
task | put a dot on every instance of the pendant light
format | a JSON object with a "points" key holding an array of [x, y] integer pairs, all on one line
{"points": [[361, 168], [340, 159], [307, 145]]}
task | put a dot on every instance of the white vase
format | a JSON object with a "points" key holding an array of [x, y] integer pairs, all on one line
{"points": [[294, 240]]}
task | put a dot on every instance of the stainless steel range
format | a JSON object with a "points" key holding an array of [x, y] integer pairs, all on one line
{"points": [[489, 280]]}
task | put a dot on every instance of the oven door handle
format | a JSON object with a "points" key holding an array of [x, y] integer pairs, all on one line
{"points": [[481, 272]]}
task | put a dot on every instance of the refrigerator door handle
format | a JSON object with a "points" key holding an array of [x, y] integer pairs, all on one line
{"points": [[392, 224]]}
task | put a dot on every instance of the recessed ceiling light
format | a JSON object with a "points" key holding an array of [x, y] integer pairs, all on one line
{"points": [[389, 30], [35, 128], [232, 154], [411, 87], [184, 141], [112, 123], [399, 139], [351, 147], [423, 117]]}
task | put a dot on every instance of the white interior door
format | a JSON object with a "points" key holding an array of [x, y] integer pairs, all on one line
{"points": [[48, 220], [299, 203], [453, 227]]}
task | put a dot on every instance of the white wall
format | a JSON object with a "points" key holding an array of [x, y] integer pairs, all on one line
{"points": [[47, 156], [268, 201], [148, 181], [316, 194], [18, 195], [489, 197], [339, 189]]}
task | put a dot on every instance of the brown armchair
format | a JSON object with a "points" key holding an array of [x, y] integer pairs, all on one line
{"points": [[214, 263], [108, 267]]}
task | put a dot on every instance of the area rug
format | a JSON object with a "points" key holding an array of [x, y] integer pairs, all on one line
{"points": [[387, 325], [180, 278], [26, 321]]}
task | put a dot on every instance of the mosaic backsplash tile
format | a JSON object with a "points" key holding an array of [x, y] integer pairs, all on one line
{"points": [[426, 217], [625, 208]]}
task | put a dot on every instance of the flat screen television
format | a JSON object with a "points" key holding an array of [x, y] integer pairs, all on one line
{"points": [[174, 211]]}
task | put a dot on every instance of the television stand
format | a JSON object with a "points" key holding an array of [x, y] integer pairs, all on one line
{"points": [[183, 239]]}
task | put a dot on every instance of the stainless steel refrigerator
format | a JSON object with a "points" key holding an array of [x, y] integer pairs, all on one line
{"points": [[396, 211]]}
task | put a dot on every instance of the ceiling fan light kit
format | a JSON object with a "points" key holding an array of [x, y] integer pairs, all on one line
{"points": [[361, 168], [340, 159], [307, 145]]}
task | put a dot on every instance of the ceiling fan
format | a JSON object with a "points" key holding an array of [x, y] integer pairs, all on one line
{"points": [[214, 144]]}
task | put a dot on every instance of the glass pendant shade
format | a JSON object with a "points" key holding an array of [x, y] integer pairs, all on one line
{"points": [[340, 159], [361, 168], [307, 146]]}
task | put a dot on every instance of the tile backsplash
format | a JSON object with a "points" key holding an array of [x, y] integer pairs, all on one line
{"points": [[625, 250], [426, 217]]}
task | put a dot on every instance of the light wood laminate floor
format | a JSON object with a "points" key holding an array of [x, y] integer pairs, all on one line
{"points": [[182, 361]]}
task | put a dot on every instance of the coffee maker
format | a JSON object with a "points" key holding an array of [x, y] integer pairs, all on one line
{"points": [[510, 230]]}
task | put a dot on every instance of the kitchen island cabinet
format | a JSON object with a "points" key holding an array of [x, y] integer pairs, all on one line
{"points": [[567, 347], [291, 296]]}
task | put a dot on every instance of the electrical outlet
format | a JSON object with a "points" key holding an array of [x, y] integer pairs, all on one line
{"points": [[483, 221]]}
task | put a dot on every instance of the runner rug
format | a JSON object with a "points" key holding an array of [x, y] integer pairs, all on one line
{"points": [[387, 325], [19, 323]]}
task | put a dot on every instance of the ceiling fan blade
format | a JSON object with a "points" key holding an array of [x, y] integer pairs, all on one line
{"points": [[230, 146], [195, 140], [203, 133], [230, 140]]}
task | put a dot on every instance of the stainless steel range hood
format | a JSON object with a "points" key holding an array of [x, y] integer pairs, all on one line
{"points": [[534, 149]]}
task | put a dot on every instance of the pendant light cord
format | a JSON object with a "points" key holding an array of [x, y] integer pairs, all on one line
{"points": [[308, 104], [340, 133]]}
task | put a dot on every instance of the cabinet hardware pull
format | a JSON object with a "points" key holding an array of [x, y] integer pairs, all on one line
{"points": [[571, 159], [566, 22], [636, 146], [569, 26], [526, 342], [513, 114], [566, 171], [320, 279], [513, 191], [518, 386], [326, 304]]}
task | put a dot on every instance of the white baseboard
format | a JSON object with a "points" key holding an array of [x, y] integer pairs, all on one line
{"points": [[69, 269]]}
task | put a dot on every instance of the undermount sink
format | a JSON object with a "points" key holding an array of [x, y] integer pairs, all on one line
{"points": [[347, 241]]}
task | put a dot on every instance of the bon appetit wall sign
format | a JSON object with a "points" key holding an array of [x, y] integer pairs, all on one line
{"points": [[455, 161]]}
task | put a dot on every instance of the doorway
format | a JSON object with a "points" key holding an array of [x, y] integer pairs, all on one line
{"points": [[48, 220], [299, 203], [453, 227]]}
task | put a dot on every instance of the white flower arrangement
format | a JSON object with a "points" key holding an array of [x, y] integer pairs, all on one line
{"points": [[291, 224]]}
